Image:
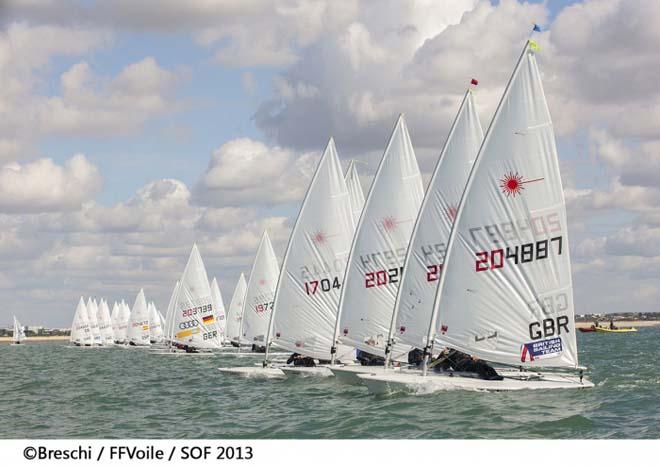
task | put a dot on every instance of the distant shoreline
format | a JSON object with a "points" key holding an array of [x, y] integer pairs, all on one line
{"points": [[8, 339]]}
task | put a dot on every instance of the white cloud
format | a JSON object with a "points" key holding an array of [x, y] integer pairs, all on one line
{"points": [[42, 185], [244, 171]]}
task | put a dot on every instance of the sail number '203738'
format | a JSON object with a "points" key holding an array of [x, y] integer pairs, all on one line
{"points": [[528, 252]]}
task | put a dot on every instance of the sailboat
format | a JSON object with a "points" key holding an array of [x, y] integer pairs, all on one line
{"points": [[428, 245], [194, 325], [505, 293], [258, 305], [307, 296], [375, 263], [169, 314], [105, 323], [81, 332], [155, 325], [114, 319], [19, 333], [138, 323], [235, 312], [219, 307], [123, 322], [92, 309]]}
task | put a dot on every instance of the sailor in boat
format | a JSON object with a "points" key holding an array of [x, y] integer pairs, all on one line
{"points": [[612, 326], [368, 359], [415, 357], [258, 348], [300, 360], [453, 360]]}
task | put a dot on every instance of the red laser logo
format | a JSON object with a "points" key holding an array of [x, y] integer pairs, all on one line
{"points": [[512, 184]]}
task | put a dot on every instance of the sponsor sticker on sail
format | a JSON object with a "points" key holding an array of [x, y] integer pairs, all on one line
{"points": [[539, 350]]}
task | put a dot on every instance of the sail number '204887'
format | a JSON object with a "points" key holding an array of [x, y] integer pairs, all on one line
{"points": [[525, 253]]}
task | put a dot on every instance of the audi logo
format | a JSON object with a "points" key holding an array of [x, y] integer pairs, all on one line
{"points": [[193, 323]]}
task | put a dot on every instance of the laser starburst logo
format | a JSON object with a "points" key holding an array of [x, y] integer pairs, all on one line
{"points": [[389, 223], [319, 237], [512, 184]]}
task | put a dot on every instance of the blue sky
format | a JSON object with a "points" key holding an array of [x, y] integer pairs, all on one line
{"points": [[162, 98]]}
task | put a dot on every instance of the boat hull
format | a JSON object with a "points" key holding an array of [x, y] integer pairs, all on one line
{"points": [[414, 383], [616, 330], [254, 372]]}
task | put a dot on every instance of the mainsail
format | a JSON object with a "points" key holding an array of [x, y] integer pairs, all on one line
{"points": [[124, 317], [235, 312], [307, 297], [375, 263], [194, 323], [92, 309], [219, 306], [426, 253], [260, 293], [105, 323], [114, 319], [19, 332], [355, 191], [155, 324], [506, 294], [169, 314], [138, 325], [81, 332]]}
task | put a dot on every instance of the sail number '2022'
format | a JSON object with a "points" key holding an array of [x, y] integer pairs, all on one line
{"points": [[324, 285], [528, 252], [382, 277]]}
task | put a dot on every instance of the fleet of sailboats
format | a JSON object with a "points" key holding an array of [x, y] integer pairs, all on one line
{"points": [[478, 263]]}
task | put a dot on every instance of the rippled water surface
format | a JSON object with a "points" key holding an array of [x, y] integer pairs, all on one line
{"points": [[52, 391]]}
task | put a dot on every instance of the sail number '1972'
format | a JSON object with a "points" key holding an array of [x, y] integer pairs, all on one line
{"points": [[528, 252]]}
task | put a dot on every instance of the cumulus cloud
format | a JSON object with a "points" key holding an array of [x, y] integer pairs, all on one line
{"points": [[42, 185], [244, 171]]}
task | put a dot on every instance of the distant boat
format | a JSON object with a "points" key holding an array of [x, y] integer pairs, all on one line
{"points": [[219, 307], [92, 309], [606, 329], [193, 320], [155, 325], [138, 323], [235, 312], [81, 332], [259, 296], [19, 333], [105, 323]]}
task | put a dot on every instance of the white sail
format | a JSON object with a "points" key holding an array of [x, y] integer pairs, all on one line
{"points": [[375, 264], [114, 319], [92, 310], [194, 321], [155, 325], [425, 256], [81, 331], [307, 297], [219, 307], [258, 304], [169, 314], [163, 323], [355, 191], [506, 294], [138, 324], [123, 322], [235, 312], [19, 332], [105, 324]]}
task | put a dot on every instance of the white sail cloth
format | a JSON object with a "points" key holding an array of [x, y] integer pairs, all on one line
{"points": [[235, 312], [194, 322], [81, 332], [376, 260], [155, 324], [105, 323], [355, 191], [506, 294], [138, 323], [219, 306], [19, 332], [92, 311], [258, 304], [425, 256], [307, 297]]}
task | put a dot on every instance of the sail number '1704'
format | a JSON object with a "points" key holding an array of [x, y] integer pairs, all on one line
{"points": [[323, 285], [526, 253]]}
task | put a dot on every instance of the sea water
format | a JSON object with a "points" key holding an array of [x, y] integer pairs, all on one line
{"points": [[53, 391]]}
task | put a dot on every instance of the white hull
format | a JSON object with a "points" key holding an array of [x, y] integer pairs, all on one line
{"points": [[185, 354], [349, 374], [254, 372], [414, 383], [307, 371]]}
